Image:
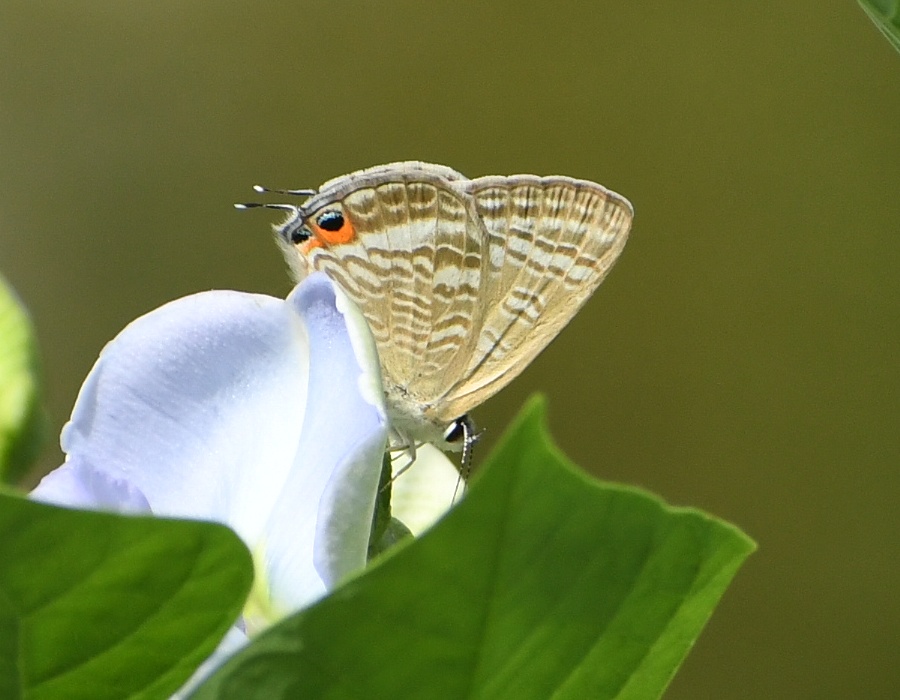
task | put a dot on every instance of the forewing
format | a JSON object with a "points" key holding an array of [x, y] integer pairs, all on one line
{"points": [[414, 269], [551, 242]]}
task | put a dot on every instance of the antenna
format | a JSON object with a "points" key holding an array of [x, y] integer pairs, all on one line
{"points": [[271, 190], [469, 437], [292, 193], [260, 205]]}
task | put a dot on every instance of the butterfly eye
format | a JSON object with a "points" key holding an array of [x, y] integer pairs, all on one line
{"points": [[331, 221], [298, 235]]}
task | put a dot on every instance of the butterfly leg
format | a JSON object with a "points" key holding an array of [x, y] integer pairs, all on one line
{"points": [[400, 444]]}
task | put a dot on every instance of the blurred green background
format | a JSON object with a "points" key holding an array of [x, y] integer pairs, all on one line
{"points": [[743, 355]]}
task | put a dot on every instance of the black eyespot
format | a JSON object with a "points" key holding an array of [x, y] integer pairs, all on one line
{"points": [[331, 221], [298, 235]]}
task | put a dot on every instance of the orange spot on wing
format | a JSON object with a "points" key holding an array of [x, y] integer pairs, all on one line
{"points": [[344, 234], [309, 244]]}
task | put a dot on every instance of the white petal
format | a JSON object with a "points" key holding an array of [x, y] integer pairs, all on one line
{"points": [[342, 444], [346, 510], [199, 406], [424, 491], [252, 411], [79, 485]]}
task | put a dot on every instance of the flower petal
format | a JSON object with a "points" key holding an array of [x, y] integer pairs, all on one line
{"points": [[342, 444], [198, 405], [425, 491], [244, 409], [77, 484]]}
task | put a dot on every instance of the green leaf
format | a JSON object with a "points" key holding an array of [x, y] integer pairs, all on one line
{"points": [[886, 15], [99, 606], [541, 583], [22, 423]]}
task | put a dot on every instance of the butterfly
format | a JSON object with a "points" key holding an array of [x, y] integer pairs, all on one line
{"points": [[463, 281]]}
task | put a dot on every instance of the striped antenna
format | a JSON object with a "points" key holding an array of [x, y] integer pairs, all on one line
{"points": [[308, 192], [260, 205]]}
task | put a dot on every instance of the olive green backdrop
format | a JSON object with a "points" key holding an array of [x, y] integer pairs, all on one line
{"points": [[741, 357]]}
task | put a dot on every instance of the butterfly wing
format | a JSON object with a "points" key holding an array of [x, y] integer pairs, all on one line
{"points": [[550, 243], [415, 268]]}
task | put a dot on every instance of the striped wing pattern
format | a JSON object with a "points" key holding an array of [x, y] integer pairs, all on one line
{"points": [[464, 282], [551, 242], [415, 272]]}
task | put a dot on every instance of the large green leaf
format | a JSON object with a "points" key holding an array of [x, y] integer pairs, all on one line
{"points": [[21, 417], [541, 583], [886, 15], [98, 606]]}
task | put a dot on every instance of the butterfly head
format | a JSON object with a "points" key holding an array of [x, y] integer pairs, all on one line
{"points": [[307, 228], [328, 226], [294, 231]]}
